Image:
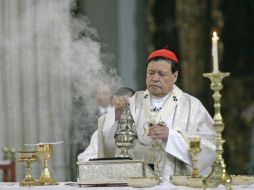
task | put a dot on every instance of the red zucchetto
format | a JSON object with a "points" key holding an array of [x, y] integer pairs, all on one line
{"points": [[163, 53]]}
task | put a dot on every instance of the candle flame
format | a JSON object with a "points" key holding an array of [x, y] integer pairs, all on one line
{"points": [[215, 35]]}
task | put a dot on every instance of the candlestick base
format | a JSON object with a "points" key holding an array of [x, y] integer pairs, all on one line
{"points": [[217, 176]]}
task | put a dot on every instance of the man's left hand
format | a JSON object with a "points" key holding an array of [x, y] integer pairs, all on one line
{"points": [[158, 131]]}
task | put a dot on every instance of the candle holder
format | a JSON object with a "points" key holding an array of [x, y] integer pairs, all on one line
{"points": [[218, 174]]}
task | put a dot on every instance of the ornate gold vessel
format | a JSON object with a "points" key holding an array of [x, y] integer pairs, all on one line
{"points": [[27, 158], [195, 180], [194, 149], [45, 152]]}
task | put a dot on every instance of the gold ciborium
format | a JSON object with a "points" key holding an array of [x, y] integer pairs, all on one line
{"points": [[194, 149], [27, 158], [45, 152]]}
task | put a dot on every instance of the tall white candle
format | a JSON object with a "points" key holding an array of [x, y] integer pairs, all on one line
{"points": [[215, 39]]}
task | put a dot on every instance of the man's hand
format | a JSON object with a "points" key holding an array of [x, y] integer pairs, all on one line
{"points": [[158, 131], [120, 103]]}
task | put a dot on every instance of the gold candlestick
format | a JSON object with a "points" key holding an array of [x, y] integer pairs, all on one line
{"points": [[218, 174]]}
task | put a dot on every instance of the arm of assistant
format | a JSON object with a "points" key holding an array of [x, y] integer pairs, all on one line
{"points": [[92, 150]]}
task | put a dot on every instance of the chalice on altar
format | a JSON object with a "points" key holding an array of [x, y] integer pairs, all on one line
{"points": [[195, 180], [27, 158], [194, 149], [45, 152]]}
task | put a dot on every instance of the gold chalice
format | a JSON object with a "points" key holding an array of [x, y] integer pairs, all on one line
{"points": [[194, 149], [27, 158], [45, 152], [195, 180]]}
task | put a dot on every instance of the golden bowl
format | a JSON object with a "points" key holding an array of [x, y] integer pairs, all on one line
{"points": [[242, 179], [178, 180], [196, 182], [27, 156], [143, 181]]}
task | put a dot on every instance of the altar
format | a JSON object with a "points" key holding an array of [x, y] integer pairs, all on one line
{"points": [[73, 186]]}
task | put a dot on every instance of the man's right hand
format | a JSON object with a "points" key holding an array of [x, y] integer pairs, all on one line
{"points": [[120, 103]]}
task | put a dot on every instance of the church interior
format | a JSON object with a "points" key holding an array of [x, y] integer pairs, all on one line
{"points": [[55, 53]]}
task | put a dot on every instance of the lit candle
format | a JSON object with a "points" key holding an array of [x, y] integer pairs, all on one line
{"points": [[215, 52]]}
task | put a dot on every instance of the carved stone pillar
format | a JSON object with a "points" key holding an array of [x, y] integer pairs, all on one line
{"points": [[193, 31]]}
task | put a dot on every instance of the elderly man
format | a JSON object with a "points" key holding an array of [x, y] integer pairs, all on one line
{"points": [[170, 116]]}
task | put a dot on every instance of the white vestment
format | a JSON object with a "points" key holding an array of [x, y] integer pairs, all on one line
{"points": [[185, 117]]}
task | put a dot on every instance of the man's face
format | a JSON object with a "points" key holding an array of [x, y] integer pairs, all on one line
{"points": [[159, 78], [104, 96]]}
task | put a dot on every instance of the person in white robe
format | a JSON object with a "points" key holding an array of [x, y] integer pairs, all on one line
{"points": [[168, 114]]}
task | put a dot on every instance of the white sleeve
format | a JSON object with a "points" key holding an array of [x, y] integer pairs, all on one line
{"points": [[109, 128], [177, 146], [202, 126], [92, 150]]}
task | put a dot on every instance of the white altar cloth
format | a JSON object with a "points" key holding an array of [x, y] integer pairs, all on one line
{"points": [[63, 185]]}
